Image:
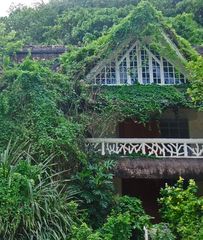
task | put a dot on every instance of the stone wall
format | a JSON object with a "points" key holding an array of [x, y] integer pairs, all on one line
{"points": [[40, 52]]}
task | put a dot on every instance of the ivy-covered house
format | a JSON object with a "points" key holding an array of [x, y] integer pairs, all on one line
{"points": [[139, 110], [138, 78]]}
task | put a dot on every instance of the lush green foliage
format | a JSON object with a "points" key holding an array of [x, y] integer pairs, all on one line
{"points": [[113, 104], [56, 22], [188, 28], [196, 77], [83, 232], [117, 227], [82, 25], [183, 210], [32, 204], [8, 45], [94, 183], [33, 105], [126, 219], [161, 231], [53, 110], [137, 215]]}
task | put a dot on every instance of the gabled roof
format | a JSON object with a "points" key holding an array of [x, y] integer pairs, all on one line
{"points": [[144, 24]]}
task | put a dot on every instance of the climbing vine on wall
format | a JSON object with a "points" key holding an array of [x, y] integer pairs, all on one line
{"points": [[141, 102]]}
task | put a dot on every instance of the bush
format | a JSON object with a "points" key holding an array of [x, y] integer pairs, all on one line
{"points": [[94, 183], [117, 227], [32, 204], [138, 217], [83, 232], [161, 231], [183, 210]]}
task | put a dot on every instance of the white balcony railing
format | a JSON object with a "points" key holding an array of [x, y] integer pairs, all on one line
{"points": [[154, 147]]}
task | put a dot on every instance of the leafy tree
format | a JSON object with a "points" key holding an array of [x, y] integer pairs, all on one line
{"points": [[78, 21], [137, 216], [188, 28], [192, 6], [78, 26]]}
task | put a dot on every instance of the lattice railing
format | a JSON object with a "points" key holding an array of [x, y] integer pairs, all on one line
{"points": [[155, 147]]}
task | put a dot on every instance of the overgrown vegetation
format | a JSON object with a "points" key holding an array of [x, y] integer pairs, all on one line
{"points": [[182, 209], [32, 203], [56, 22], [55, 111]]}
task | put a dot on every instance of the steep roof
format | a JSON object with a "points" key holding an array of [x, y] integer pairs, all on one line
{"points": [[144, 24]]}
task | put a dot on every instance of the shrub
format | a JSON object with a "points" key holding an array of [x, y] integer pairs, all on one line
{"points": [[117, 227], [32, 204], [83, 232], [95, 186], [183, 210], [138, 217]]}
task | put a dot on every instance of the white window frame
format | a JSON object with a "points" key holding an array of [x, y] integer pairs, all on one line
{"points": [[151, 56]]}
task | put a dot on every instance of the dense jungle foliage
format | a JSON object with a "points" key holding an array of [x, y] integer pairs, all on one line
{"points": [[50, 187], [79, 21]]}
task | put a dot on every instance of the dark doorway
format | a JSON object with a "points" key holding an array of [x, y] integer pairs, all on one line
{"points": [[148, 191]]}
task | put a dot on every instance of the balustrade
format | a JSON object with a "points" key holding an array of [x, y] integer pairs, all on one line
{"points": [[154, 147]]}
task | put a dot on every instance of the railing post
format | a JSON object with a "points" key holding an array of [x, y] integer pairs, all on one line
{"points": [[143, 148], [185, 150], [103, 148]]}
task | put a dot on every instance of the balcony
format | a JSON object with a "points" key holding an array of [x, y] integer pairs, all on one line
{"points": [[147, 147]]}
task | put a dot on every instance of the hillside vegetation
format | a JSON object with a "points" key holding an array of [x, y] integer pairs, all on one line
{"points": [[79, 21]]}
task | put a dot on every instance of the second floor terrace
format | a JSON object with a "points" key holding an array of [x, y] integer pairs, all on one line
{"points": [[170, 137]]}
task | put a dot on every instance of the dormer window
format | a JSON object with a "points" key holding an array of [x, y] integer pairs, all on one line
{"points": [[138, 64]]}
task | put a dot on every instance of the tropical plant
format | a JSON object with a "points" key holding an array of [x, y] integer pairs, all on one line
{"points": [[96, 192], [84, 232], [34, 203]]}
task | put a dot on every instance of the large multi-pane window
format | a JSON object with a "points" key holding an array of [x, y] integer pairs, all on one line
{"points": [[174, 128], [137, 64]]}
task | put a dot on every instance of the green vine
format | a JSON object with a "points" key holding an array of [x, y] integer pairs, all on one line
{"points": [[145, 24], [141, 102]]}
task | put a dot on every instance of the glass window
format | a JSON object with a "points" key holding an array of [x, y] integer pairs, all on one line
{"points": [[151, 66], [174, 128]]}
